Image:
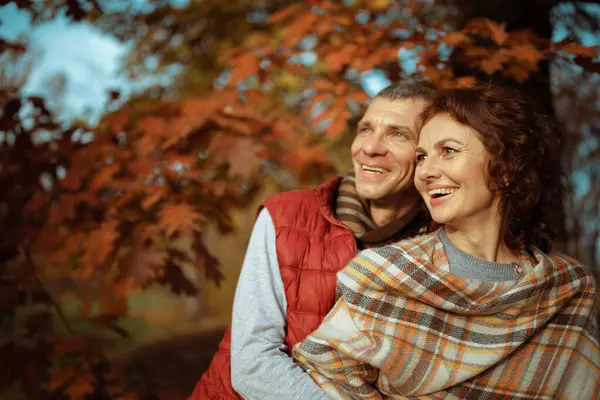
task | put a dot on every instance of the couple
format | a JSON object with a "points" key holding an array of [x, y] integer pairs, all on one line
{"points": [[479, 308]]}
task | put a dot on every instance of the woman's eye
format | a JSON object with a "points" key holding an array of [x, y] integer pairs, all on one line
{"points": [[448, 151], [420, 158], [364, 130]]}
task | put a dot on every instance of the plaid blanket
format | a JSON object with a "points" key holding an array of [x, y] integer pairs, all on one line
{"points": [[405, 328]]}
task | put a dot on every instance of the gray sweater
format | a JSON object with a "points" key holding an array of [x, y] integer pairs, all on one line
{"points": [[261, 369]]}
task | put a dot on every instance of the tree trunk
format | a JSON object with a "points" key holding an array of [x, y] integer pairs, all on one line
{"points": [[517, 15]]}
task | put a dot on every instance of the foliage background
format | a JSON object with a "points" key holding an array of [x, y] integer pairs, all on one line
{"points": [[124, 224]]}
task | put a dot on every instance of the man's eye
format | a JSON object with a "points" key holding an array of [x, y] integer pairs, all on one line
{"points": [[420, 158], [364, 130]]}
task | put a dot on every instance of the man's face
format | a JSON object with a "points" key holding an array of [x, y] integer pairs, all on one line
{"points": [[383, 151]]}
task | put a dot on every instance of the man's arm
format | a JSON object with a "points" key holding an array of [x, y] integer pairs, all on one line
{"points": [[260, 366]]}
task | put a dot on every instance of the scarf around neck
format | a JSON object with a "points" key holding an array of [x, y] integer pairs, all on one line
{"points": [[404, 327], [353, 211]]}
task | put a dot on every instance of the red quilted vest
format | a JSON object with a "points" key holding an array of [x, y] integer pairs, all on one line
{"points": [[312, 246]]}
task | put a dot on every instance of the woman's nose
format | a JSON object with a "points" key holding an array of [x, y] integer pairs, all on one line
{"points": [[427, 169]]}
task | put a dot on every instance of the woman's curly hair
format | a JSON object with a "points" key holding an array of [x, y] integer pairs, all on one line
{"points": [[524, 149]]}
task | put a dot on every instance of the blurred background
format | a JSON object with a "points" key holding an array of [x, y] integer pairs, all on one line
{"points": [[137, 139]]}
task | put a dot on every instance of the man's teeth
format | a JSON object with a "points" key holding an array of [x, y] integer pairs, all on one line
{"points": [[442, 191], [373, 169]]}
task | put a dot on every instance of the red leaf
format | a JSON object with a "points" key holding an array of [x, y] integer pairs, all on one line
{"points": [[243, 155], [581, 51], [181, 218], [498, 32], [245, 65], [99, 245], [82, 386], [104, 175], [339, 123], [282, 15], [299, 27], [153, 126], [145, 258], [456, 38]]}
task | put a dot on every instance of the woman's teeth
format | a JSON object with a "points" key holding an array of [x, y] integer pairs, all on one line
{"points": [[435, 193]]}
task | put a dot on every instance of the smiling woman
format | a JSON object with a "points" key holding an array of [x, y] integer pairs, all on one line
{"points": [[481, 307]]}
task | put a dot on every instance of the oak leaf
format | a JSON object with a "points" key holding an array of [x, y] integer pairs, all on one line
{"points": [[243, 155], [494, 63], [104, 175], [244, 66], [282, 15], [579, 50], [338, 124], [519, 73], [497, 32], [99, 244], [527, 53], [153, 126], [81, 386], [179, 218], [61, 376], [144, 259], [455, 38], [299, 27]]}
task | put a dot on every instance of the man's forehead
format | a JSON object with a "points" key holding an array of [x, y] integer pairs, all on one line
{"points": [[394, 110]]}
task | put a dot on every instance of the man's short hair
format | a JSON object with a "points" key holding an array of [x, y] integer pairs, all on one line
{"points": [[407, 90]]}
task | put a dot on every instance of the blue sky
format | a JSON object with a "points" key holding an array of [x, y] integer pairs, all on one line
{"points": [[88, 58]]}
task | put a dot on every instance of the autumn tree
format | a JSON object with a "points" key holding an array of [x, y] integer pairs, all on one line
{"points": [[259, 91]]}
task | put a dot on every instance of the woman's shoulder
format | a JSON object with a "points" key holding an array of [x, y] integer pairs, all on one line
{"points": [[417, 249], [566, 265]]}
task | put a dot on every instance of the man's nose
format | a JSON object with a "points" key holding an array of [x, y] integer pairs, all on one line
{"points": [[374, 145]]}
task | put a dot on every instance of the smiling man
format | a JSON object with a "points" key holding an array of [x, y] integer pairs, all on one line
{"points": [[302, 238]]}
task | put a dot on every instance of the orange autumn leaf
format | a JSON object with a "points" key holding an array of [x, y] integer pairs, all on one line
{"points": [[244, 66], [299, 27], [527, 53], [99, 244], [519, 73], [579, 50], [153, 126], [243, 155], [152, 199], [144, 258], [104, 175], [497, 32], [70, 345], [455, 38], [38, 201], [495, 62], [179, 218], [61, 376], [82, 386], [282, 15], [338, 124]]}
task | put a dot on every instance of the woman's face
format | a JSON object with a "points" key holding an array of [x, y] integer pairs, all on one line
{"points": [[451, 174]]}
